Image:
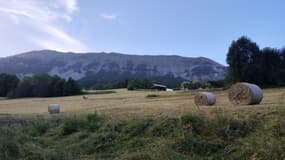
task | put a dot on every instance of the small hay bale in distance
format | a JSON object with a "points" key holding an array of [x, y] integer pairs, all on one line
{"points": [[205, 99], [54, 108], [245, 94]]}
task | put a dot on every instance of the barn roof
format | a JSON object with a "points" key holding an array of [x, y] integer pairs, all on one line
{"points": [[159, 85]]}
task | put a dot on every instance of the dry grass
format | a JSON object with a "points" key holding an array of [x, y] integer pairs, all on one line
{"points": [[130, 104]]}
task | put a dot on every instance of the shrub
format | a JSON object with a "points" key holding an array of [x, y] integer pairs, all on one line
{"points": [[137, 128], [229, 129], [70, 126], [152, 96], [198, 146], [38, 128], [194, 124], [93, 122], [8, 145], [102, 142], [169, 127], [279, 128]]}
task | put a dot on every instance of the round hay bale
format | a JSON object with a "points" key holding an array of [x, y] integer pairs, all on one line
{"points": [[245, 94], [205, 99], [85, 97], [53, 108]]}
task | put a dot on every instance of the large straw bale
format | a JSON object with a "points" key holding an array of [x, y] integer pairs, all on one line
{"points": [[245, 94]]}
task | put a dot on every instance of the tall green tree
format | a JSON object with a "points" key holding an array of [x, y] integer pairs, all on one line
{"points": [[241, 58], [282, 70], [7, 83], [42, 85], [272, 66], [185, 85], [139, 84], [24, 89], [71, 87], [58, 89]]}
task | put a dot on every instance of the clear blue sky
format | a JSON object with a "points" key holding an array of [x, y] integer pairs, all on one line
{"points": [[189, 28]]}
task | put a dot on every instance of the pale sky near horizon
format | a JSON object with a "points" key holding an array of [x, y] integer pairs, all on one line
{"points": [[190, 28]]}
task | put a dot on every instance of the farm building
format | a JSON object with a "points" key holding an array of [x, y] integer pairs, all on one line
{"points": [[159, 87]]}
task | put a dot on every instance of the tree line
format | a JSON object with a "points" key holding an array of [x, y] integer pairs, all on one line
{"points": [[135, 84], [38, 85], [204, 85], [248, 63], [195, 85]]}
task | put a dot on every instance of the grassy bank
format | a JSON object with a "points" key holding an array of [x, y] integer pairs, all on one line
{"points": [[191, 136]]}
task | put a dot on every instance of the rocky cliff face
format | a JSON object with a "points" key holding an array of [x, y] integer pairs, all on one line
{"points": [[109, 67]]}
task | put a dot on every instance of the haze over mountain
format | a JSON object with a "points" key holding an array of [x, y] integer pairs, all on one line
{"points": [[102, 68]]}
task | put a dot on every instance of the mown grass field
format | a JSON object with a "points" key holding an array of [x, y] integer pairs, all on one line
{"points": [[142, 125], [124, 104]]}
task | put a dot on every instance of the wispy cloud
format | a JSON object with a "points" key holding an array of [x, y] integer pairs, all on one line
{"points": [[108, 16], [40, 20], [59, 40], [69, 5]]}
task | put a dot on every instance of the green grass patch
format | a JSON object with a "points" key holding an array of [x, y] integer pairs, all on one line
{"points": [[98, 137]]}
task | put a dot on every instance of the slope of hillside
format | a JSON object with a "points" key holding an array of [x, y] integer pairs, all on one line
{"points": [[112, 67]]}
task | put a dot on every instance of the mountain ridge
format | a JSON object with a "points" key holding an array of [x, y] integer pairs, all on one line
{"points": [[112, 67]]}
